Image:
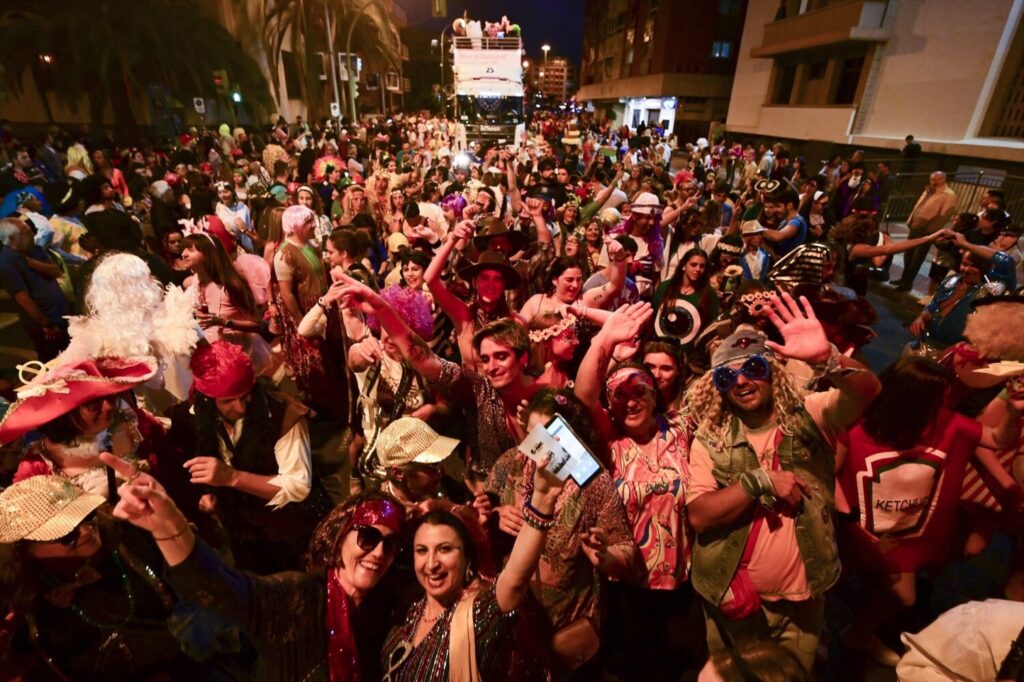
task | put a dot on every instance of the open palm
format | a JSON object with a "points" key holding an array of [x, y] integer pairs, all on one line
{"points": [[804, 337]]}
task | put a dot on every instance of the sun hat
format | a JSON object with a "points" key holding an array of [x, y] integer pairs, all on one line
{"points": [[492, 260], [751, 227], [647, 204], [408, 440], [54, 393], [43, 508]]}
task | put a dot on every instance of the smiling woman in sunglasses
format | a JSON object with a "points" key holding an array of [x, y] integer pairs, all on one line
{"points": [[760, 492], [328, 623]]}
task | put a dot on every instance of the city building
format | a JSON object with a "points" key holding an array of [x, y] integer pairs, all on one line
{"points": [[553, 77], [869, 72], [648, 61]]}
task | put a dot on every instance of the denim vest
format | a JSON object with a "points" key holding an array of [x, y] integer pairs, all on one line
{"points": [[806, 453]]}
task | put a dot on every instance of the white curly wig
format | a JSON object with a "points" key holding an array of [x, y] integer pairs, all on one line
{"points": [[129, 314]]}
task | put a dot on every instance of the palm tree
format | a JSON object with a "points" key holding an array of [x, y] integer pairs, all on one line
{"points": [[301, 25], [107, 52]]}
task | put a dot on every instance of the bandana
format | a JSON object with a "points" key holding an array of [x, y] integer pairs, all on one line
{"points": [[626, 375], [377, 513]]}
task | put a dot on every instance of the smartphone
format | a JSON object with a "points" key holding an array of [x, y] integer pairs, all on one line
{"points": [[585, 465]]}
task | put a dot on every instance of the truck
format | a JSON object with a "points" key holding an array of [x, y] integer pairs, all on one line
{"points": [[489, 88]]}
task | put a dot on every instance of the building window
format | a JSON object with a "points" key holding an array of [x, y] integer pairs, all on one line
{"points": [[849, 78], [721, 49], [816, 71], [785, 77], [629, 55], [291, 74], [730, 8], [608, 64], [649, 29]]}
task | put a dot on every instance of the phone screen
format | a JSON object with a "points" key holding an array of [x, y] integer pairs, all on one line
{"points": [[585, 465]]}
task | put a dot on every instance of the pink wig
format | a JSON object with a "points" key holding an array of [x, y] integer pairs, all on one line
{"points": [[412, 306], [295, 217]]}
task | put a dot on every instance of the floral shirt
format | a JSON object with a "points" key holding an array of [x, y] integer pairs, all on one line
{"points": [[653, 489]]}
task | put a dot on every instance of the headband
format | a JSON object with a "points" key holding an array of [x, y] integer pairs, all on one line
{"points": [[191, 227], [304, 187], [625, 375], [541, 335], [377, 513]]}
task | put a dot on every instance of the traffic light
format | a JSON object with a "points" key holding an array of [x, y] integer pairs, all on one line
{"points": [[439, 8], [220, 81]]}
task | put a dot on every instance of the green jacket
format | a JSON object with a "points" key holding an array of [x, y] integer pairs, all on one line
{"points": [[717, 551]]}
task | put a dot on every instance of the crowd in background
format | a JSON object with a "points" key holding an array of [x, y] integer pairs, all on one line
{"points": [[285, 375]]}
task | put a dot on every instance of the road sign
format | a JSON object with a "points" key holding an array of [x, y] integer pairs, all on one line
{"points": [[335, 109], [199, 104]]}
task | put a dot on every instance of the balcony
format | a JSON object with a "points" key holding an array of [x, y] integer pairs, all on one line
{"points": [[844, 22]]}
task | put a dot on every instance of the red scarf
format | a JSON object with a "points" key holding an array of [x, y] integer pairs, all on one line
{"points": [[342, 655]]}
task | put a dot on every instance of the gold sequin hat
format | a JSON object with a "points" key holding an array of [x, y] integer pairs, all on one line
{"points": [[43, 508], [409, 440]]}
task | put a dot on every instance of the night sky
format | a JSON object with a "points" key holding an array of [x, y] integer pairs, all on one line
{"points": [[559, 23]]}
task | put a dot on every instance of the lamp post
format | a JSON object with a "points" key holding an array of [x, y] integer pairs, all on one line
{"points": [[348, 58], [334, 66], [546, 48], [444, 62]]}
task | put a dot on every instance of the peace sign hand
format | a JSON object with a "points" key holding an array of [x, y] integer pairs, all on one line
{"points": [[802, 332]]}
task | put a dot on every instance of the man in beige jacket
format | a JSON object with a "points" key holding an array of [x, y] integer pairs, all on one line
{"points": [[931, 213]]}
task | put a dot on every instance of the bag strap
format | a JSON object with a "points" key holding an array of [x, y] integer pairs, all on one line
{"points": [[462, 643]]}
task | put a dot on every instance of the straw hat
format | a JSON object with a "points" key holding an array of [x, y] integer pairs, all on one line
{"points": [[408, 440], [43, 508]]}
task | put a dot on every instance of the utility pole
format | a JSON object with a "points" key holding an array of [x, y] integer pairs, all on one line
{"points": [[334, 66], [348, 58]]}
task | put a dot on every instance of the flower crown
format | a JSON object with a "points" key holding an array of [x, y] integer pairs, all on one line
{"points": [[541, 335], [756, 302]]}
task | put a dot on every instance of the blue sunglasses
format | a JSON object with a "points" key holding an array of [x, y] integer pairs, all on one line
{"points": [[755, 368]]}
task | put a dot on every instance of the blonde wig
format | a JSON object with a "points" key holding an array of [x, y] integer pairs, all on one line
{"points": [[995, 331], [713, 412]]}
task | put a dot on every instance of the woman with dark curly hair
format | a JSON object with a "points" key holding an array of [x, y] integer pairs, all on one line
{"points": [[328, 623]]}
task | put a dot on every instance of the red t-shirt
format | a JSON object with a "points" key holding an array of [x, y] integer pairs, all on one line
{"points": [[908, 498]]}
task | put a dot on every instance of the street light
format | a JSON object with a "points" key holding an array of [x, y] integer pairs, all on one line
{"points": [[546, 48], [526, 63]]}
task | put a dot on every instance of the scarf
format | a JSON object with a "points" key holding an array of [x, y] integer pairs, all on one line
{"points": [[342, 654]]}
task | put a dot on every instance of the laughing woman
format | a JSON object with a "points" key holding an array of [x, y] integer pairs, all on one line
{"points": [[325, 624], [462, 627]]}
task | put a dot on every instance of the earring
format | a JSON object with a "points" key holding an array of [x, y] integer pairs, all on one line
{"points": [[468, 578]]}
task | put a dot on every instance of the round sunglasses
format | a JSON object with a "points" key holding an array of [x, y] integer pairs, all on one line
{"points": [[368, 537], [755, 368]]}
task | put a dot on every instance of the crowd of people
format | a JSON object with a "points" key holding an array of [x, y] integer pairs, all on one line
{"points": [[285, 377]]}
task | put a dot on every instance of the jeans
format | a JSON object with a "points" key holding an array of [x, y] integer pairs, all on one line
{"points": [[794, 625]]}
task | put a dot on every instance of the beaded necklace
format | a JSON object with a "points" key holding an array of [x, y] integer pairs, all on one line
{"points": [[88, 620]]}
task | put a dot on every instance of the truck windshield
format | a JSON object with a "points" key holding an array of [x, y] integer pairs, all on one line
{"points": [[490, 110]]}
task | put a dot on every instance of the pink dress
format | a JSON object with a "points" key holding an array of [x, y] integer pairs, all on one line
{"points": [[219, 303], [653, 490]]}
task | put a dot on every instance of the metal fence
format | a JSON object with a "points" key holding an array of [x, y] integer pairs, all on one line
{"points": [[969, 187]]}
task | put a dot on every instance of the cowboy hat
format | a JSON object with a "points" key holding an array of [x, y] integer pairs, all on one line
{"points": [[495, 227], [492, 260]]}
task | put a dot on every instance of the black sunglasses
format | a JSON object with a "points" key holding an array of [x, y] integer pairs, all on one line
{"points": [[368, 537], [71, 539]]}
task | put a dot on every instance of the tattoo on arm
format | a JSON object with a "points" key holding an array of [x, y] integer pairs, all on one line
{"points": [[418, 350]]}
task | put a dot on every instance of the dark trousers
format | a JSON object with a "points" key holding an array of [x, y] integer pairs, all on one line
{"points": [[913, 260]]}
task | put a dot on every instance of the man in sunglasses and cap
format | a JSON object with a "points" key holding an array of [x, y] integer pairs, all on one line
{"points": [[760, 496]]}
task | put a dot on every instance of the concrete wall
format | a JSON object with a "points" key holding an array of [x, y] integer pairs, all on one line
{"points": [[933, 68], [933, 79]]}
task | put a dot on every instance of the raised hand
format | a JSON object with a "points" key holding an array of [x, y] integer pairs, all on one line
{"points": [[144, 502], [801, 331], [357, 296], [626, 323]]}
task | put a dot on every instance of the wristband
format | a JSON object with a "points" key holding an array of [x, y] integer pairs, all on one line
{"points": [[831, 363], [528, 507], [756, 483], [175, 536]]}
